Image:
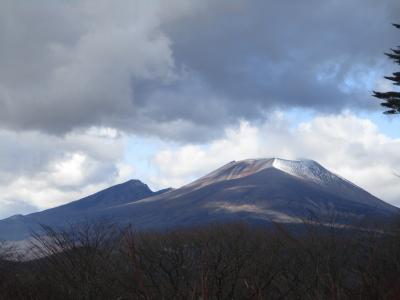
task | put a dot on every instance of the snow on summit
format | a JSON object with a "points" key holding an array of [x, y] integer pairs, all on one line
{"points": [[305, 169], [261, 190]]}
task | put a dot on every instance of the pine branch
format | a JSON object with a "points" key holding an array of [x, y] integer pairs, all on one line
{"points": [[395, 57], [391, 112], [391, 100], [386, 95], [396, 79]]}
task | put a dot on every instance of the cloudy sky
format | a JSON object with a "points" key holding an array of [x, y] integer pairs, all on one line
{"points": [[95, 92]]}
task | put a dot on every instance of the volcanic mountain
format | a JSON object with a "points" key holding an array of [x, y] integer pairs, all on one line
{"points": [[253, 190]]}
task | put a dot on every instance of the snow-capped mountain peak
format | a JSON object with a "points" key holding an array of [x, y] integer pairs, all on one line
{"points": [[304, 169], [256, 190]]}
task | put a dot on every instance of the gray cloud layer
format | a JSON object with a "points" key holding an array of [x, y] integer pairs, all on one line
{"points": [[38, 171], [177, 69]]}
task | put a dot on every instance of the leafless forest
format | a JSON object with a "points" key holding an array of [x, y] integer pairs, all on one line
{"points": [[231, 261]]}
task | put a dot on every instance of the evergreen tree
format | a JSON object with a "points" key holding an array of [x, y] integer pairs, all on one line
{"points": [[391, 100]]}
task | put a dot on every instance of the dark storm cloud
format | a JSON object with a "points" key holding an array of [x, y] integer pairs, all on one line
{"points": [[183, 69], [286, 53]]}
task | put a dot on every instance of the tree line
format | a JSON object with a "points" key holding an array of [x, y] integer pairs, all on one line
{"points": [[219, 261]]}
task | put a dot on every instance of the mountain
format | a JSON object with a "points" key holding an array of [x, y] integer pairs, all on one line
{"points": [[254, 190], [19, 226], [258, 190]]}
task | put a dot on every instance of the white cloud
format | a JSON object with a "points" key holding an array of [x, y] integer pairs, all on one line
{"points": [[39, 171], [346, 144]]}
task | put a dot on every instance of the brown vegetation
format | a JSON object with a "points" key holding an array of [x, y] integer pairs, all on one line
{"points": [[231, 261]]}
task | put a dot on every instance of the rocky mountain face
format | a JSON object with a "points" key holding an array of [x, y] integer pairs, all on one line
{"points": [[253, 190]]}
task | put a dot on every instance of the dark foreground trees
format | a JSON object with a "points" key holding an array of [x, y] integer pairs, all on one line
{"points": [[391, 100], [232, 261]]}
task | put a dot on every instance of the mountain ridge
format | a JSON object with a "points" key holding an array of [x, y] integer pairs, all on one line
{"points": [[262, 190], [78, 210]]}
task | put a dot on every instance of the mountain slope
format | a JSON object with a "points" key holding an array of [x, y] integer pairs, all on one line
{"points": [[258, 190], [255, 190], [19, 226]]}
